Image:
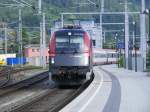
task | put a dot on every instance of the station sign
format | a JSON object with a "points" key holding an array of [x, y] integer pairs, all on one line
{"points": [[120, 45]]}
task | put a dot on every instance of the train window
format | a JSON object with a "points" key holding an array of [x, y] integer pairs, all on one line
{"points": [[62, 42], [94, 43], [69, 43], [108, 55], [76, 42], [100, 55], [32, 50], [111, 55], [1, 51]]}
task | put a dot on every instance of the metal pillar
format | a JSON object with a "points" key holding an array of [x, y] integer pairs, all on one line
{"points": [[149, 25], [44, 43], [62, 20], [41, 45], [143, 37], [5, 40], [39, 6], [116, 46], [126, 34], [135, 46], [20, 37], [42, 36], [104, 37], [124, 64], [148, 42], [100, 43]]}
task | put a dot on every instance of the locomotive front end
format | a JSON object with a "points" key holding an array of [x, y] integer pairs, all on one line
{"points": [[70, 56]]}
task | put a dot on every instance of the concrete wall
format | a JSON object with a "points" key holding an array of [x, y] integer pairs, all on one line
{"points": [[35, 61], [140, 64]]}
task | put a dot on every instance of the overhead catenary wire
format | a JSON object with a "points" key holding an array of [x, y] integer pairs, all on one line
{"points": [[91, 2]]}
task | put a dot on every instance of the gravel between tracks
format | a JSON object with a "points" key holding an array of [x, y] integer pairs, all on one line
{"points": [[49, 102], [22, 75], [23, 96], [42, 97], [26, 82], [54, 101]]}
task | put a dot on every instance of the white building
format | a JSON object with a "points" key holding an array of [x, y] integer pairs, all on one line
{"points": [[93, 30]]}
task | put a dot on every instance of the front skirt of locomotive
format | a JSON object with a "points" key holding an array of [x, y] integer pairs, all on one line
{"points": [[69, 75], [69, 68]]}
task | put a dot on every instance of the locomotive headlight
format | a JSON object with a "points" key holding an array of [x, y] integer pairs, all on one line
{"points": [[69, 33], [52, 60], [86, 60]]}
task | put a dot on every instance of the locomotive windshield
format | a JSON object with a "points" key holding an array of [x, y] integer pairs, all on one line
{"points": [[69, 43]]}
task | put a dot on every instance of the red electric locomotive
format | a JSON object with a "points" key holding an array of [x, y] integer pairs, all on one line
{"points": [[70, 56]]}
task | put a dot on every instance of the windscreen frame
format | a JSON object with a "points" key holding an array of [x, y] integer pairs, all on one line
{"points": [[70, 35]]}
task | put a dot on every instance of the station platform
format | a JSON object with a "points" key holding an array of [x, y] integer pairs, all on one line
{"points": [[114, 90]]}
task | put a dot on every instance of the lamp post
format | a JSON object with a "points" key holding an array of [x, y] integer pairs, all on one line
{"points": [[148, 57], [135, 45], [148, 42], [5, 39], [12, 49], [116, 39], [123, 30], [126, 33], [101, 21], [42, 35], [20, 37]]}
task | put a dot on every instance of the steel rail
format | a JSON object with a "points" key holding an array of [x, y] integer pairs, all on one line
{"points": [[8, 89], [63, 95]]}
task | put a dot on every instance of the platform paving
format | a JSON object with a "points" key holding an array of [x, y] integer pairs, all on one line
{"points": [[135, 90], [114, 90]]}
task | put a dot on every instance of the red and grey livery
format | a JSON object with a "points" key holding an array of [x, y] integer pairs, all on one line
{"points": [[70, 56]]}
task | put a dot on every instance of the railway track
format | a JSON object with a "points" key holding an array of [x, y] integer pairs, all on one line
{"points": [[7, 73], [12, 100], [22, 84], [10, 96], [53, 100]]}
